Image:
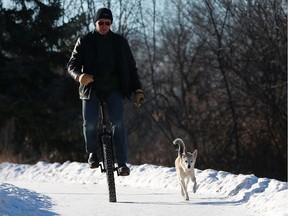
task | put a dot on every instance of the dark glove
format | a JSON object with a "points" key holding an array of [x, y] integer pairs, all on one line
{"points": [[139, 97]]}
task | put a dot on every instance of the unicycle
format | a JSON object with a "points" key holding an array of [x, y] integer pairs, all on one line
{"points": [[106, 142]]}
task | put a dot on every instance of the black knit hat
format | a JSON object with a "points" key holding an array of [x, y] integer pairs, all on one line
{"points": [[103, 13]]}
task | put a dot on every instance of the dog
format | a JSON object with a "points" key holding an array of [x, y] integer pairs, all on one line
{"points": [[184, 165]]}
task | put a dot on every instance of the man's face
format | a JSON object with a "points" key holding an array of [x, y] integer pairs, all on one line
{"points": [[103, 26]]}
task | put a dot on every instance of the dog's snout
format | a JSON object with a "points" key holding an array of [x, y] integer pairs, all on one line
{"points": [[189, 166]]}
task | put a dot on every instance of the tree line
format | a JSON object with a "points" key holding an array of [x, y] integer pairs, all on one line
{"points": [[214, 73]]}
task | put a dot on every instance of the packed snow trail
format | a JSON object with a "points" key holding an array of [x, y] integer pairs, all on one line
{"points": [[73, 189], [92, 199]]}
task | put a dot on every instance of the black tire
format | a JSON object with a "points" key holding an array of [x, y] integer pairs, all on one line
{"points": [[109, 166]]}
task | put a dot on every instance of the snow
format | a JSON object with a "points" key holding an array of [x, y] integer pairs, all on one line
{"points": [[72, 189]]}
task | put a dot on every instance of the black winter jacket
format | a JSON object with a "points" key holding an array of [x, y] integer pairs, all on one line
{"points": [[83, 61]]}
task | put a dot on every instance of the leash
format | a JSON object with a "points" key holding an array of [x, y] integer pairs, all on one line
{"points": [[170, 141]]}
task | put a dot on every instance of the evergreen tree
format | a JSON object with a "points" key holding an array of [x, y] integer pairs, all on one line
{"points": [[38, 103]]}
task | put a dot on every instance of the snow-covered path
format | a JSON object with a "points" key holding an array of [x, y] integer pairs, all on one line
{"points": [[73, 189], [80, 199]]}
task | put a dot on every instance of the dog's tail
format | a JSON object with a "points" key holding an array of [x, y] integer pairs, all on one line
{"points": [[181, 146]]}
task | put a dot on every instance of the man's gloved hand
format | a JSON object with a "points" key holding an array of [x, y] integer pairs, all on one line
{"points": [[85, 79], [139, 97]]}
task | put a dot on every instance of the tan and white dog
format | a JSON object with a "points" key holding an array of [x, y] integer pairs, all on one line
{"points": [[184, 165]]}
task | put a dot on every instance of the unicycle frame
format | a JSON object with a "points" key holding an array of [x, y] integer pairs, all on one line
{"points": [[106, 142]]}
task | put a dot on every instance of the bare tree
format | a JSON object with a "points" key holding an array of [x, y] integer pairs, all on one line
{"points": [[218, 17], [247, 41], [261, 49]]}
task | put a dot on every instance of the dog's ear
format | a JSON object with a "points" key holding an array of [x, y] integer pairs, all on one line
{"points": [[195, 153]]}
